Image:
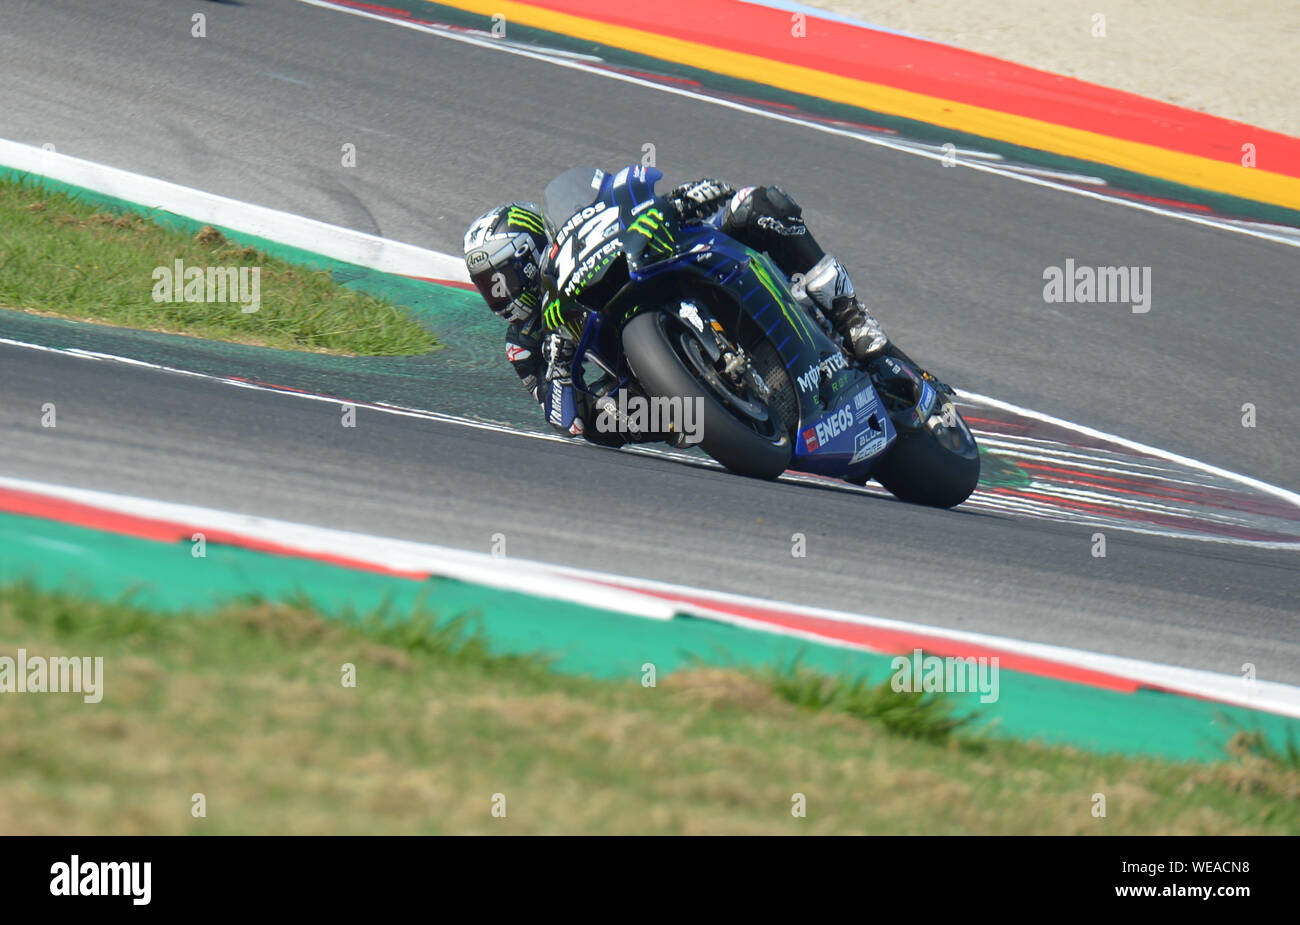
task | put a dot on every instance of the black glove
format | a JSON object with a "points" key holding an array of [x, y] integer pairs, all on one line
{"points": [[699, 198]]}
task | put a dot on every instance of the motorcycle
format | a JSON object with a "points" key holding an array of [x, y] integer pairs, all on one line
{"points": [[680, 311]]}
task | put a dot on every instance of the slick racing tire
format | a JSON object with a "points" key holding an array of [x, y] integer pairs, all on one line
{"points": [[938, 465], [668, 361]]}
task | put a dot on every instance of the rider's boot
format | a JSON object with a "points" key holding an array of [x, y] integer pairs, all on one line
{"points": [[829, 286]]}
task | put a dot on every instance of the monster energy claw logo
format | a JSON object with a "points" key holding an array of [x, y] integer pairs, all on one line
{"points": [[553, 316], [650, 225], [524, 219], [796, 319]]}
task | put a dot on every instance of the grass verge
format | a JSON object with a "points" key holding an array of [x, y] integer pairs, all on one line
{"points": [[247, 707], [65, 257]]}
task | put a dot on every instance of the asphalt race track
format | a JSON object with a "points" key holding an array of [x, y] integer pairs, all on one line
{"points": [[952, 259]]}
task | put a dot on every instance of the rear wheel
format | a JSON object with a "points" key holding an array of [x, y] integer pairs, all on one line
{"points": [[738, 428], [938, 465]]}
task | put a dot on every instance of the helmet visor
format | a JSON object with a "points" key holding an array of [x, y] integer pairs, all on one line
{"points": [[502, 285]]}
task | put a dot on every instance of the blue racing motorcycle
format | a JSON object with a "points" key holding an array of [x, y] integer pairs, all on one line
{"points": [[679, 311]]}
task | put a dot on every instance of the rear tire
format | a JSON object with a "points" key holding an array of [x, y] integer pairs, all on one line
{"points": [[652, 341], [920, 469]]}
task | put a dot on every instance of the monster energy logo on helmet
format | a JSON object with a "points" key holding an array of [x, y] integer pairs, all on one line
{"points": [[518, 217]]}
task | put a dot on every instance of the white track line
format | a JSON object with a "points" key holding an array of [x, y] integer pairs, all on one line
{"points": [[397, 555], [1039, 453], [1286, 495], [558, 61], [294, 230], [1006, 505], [588, 586]]}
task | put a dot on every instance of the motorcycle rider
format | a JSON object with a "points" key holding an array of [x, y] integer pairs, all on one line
{"points": [[504, 248]]}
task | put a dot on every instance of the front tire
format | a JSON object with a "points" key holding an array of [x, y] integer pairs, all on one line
{"points": [[659, 350]]}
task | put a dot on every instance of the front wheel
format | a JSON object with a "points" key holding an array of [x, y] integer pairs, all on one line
{"points": [[938, 465], [738, 429]]}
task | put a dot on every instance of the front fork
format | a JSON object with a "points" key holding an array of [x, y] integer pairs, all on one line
{"points": [[729, 358]]}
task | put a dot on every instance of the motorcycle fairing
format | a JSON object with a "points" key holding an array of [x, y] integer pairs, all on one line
{"points": [[842, 425]]}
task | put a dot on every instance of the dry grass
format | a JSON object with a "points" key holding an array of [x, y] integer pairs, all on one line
{"points": [[247, 708]]}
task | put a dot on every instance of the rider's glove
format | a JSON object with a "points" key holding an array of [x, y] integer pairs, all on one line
{"points": [[559, 398], [699, 199]]}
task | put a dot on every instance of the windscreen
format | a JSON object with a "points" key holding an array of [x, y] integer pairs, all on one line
{"points": [[571, 191]]}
